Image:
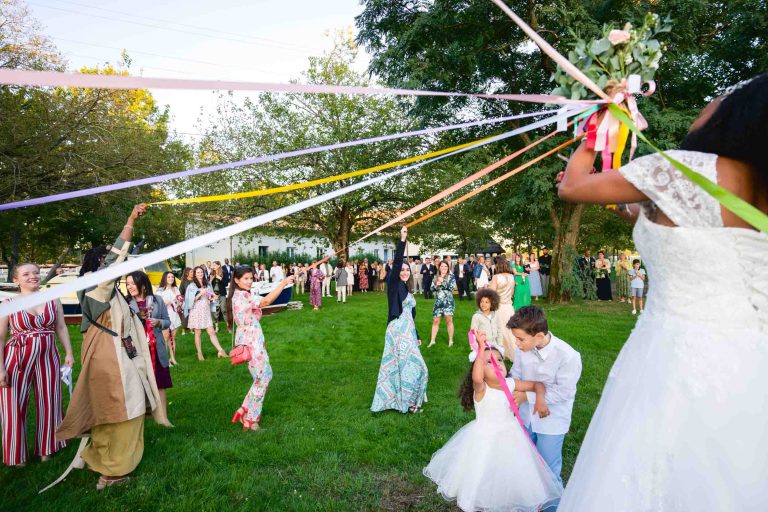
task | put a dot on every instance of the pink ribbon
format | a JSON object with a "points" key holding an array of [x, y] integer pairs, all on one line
{"points": [[22, 77]]}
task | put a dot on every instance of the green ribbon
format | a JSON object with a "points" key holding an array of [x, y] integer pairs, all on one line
{"points": [[732, 202]]}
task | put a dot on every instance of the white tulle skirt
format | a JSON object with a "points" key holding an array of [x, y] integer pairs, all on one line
{"points": [[493, 466], [682, 424]]}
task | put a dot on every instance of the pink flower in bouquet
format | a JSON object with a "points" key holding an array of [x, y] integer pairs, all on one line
{"points": [[618, 36]]}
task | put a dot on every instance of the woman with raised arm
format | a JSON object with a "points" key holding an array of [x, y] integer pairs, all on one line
{"points": [[116, 387], [681, 422], [244, 309], [403, 375]]}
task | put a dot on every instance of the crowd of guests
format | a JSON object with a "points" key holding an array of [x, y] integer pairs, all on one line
{"points": [[630, 279]]}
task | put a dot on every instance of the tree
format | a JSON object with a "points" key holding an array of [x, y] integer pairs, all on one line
{"points": [[282, 122], [472, 46], [57, 140]]}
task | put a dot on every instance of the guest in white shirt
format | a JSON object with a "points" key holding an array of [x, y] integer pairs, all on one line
{"points": [[276, 273], [327, 271], [543, 357], [416, 276], [260, 273]]}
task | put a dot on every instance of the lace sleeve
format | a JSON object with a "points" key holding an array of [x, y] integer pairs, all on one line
{"points": [[684, 202]]}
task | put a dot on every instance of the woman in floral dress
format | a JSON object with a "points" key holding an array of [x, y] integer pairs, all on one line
{"points": [[244, 309], [403, 375], [316, 277], [442, 287], [362, 274], [622, 277]]}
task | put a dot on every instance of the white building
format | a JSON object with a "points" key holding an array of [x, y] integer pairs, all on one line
{"points": [[260, 244]]}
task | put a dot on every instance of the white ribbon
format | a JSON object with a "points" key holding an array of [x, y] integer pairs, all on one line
{"points": [[29, 301]]}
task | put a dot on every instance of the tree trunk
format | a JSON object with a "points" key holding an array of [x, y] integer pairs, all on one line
{"points": [[340, 239], [566, 236], [11, 258], [55, 267]]}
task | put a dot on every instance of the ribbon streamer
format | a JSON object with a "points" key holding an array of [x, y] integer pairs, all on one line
{"points": [[114, 272], [61, 79], [493, 182], [268, 158], [561, 117], [319, 181]]}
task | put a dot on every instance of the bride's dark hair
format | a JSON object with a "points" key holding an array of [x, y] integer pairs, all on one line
{"points": [[737, 128]]}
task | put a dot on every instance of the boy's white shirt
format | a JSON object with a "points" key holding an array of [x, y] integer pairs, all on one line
{"points": [[558, 366]]}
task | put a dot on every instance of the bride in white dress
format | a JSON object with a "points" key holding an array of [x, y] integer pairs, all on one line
{"points": [[682, 423]]}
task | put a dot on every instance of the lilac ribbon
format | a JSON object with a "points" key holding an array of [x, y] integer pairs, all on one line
{"points": [[249, 161]]}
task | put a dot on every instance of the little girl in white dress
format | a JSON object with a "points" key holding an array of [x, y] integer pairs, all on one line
{"points": [[491, 464]]}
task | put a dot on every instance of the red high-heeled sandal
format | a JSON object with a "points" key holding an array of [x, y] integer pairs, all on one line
{"points": [[248, 425], [242, 411]]}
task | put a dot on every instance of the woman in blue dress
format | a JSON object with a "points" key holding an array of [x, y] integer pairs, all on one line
{"points": [[402, 383]]}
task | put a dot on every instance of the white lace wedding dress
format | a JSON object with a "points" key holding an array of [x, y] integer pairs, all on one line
{"points": [[682, 424]]}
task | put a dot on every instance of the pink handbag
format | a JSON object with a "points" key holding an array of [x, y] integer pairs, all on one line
{"points": [[240, 354]]}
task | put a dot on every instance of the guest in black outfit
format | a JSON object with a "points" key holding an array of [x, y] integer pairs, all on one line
{"points": [[587, 271], [428, 270], [545, 264], [461, 273]]}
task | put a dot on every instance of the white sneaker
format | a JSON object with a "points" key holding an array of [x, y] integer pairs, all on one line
{"points": [[634, 311]]}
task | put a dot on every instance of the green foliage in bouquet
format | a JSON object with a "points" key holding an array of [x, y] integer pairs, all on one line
{"points": [[614, 56]]}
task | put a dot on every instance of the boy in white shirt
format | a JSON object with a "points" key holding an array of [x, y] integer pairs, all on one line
{"points": [[542, 356], [637, 282]]}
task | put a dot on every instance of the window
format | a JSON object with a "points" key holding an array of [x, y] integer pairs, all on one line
{"points": [[386, 254], [291, 252], [359, 250], [376, 253], [263, 249], [319, 252]]}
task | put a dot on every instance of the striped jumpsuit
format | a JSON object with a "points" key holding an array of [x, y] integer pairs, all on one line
{"points": [[31, 360]]}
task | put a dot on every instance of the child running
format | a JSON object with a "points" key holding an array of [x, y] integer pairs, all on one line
{"points": [[245, 309], [491, 464]]}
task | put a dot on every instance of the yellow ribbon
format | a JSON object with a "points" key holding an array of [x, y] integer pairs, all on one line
{"points": [[622, 142], [312, 183]]}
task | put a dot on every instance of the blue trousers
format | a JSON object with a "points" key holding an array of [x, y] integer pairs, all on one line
{"points": [[551, 449]]}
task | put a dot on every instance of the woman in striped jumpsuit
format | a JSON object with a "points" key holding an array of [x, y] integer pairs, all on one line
{"points": [[30, 359]]}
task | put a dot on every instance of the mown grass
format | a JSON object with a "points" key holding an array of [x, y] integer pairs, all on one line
{"points": [[320, 447]]}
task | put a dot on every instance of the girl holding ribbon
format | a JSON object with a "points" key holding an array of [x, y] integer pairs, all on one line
{"points": [[491, 463], [153, 313], [30, 359], [244, 309]]}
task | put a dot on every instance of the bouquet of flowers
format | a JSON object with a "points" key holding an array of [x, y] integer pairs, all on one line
{"points": [[618, 62], [615, 56]]}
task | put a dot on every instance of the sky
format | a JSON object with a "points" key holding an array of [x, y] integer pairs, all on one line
{"points": [[267, 41]]}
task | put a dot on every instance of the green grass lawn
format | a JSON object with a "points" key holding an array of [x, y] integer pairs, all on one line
{"points": [[320, 447]]}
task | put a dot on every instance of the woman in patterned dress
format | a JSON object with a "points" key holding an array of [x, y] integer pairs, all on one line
{"points": [[197, 308], [442, 287], [362, 274], [622, 277], [30, 359], [315, 276], [244, 309], [403, 375]]}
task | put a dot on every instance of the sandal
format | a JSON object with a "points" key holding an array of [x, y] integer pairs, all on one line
{"points": [[105, 482]]}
